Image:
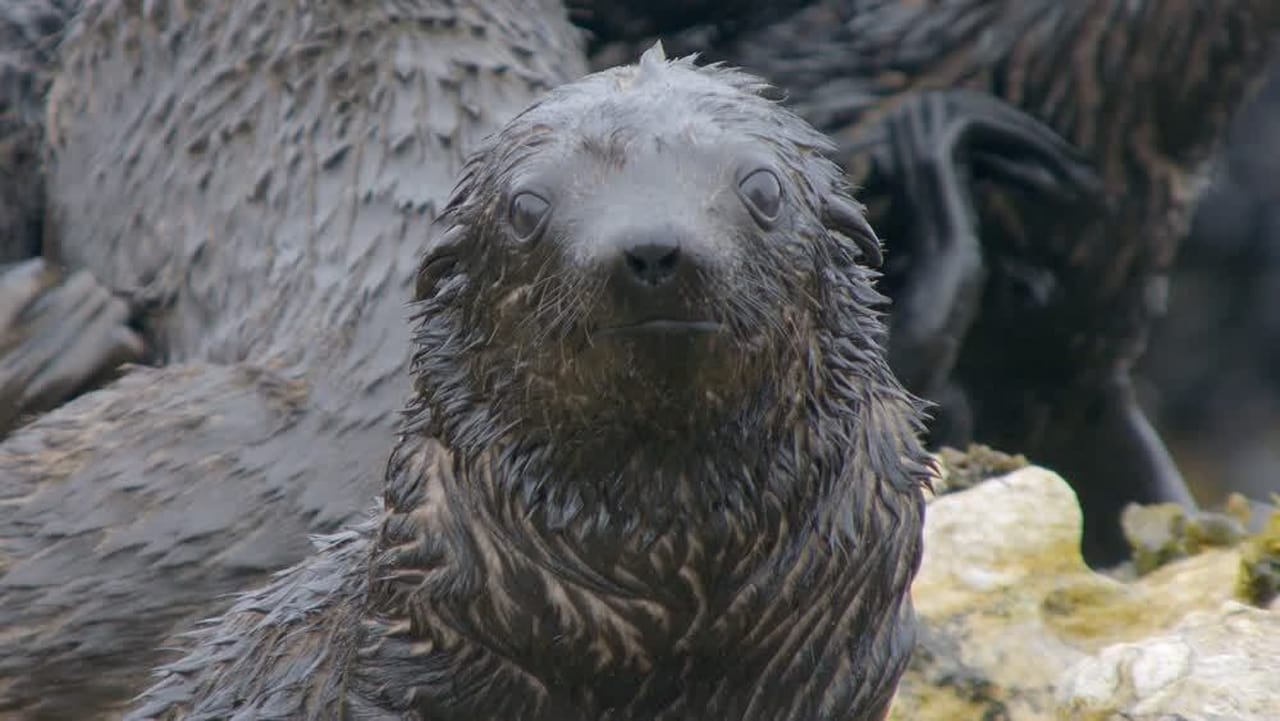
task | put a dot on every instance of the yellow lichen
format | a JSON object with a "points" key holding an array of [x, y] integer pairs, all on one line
{"points": [[968, 468], [1258, 581]]}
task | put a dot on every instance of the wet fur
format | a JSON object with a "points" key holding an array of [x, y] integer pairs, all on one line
{"points": [[754, 566], [275, 266]]}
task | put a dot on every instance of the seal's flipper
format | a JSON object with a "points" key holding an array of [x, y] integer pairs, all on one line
{"points": [[56, 337], [932, 148]]}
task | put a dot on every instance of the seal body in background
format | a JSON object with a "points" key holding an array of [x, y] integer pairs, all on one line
{"points": [[258, 178], [655, 465]]}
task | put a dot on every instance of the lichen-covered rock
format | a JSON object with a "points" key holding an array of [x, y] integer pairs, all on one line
{"points": [[1259, 581], [965, 469], [1163, 532], [1018, 628], [1222, 664], [992, 555]]}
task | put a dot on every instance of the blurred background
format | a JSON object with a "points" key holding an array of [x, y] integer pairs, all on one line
{"points": [[1211, 376]]}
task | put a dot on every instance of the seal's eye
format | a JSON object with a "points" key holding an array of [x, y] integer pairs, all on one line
{"points": [[763, 194], [527, 213]]}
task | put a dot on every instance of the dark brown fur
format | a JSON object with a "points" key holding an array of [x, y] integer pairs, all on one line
{"points": [[576, 529]]}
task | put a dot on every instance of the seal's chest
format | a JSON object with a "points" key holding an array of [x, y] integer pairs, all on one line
{"points": [[696, 651]]}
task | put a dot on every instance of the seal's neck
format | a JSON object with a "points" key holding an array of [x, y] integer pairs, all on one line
{"points": [[634, 528], [603, 613]]}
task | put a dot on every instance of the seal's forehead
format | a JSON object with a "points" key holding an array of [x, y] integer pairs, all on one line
{"points": [[670, 100]]}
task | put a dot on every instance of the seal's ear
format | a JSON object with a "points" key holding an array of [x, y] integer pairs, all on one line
{"points": [[844, 216], [439, 259]]}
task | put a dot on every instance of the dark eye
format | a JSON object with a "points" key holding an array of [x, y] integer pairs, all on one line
{"points": [[527, 213], [763, 193]]}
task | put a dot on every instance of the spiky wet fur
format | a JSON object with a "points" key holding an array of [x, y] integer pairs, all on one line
{"points": [[558, 545]]}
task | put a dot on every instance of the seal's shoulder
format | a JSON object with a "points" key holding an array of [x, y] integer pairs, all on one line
{"points": [[280, 651]]}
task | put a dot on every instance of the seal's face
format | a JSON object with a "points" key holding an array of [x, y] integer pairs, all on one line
{"points": [[655, 228], [646, 270], [644, 252]]}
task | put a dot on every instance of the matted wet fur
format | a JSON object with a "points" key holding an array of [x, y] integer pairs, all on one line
{"points": [[592, 517], [292, 157]]}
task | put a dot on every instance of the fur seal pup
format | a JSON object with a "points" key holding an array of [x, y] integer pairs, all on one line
{"points": [[655, 465]]}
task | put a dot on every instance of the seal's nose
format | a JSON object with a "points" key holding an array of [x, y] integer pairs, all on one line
{"points": [[651, 264], [648, 263]]}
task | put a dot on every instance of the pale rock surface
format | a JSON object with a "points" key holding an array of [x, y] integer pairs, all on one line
{"points": [[1018, 628], [1222, 664]]}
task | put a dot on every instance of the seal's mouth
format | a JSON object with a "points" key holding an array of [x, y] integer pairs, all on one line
{"points": [[661, 326]]}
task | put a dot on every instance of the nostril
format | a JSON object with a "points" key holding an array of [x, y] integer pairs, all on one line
{"points": [[637, 264], [652, 263], [667, 262]]}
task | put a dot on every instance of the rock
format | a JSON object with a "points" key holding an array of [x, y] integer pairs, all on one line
{"points": [[1259, 581], [967, 468], [1018, 628], [992, 555], [1163, 532], [1222, 664]]}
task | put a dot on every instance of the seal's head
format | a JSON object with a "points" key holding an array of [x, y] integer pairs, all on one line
{"points": [[647, 259]]}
